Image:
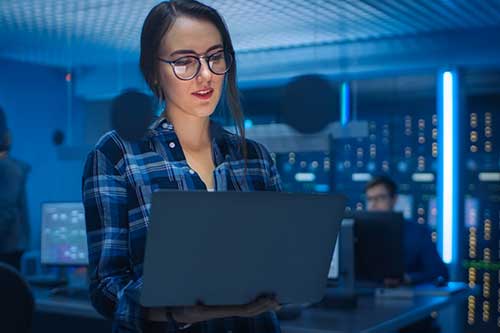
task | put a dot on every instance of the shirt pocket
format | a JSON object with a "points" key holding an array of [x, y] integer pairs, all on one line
{"points": [[257, 180], [235, 178], [145, 191], [140, 216]]}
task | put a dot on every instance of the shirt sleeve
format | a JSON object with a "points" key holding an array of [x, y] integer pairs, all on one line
{"points": [[431, 264], [114, 289]]}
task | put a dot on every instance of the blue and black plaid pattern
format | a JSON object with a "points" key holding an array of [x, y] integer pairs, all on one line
{"points": [[118, 179]]}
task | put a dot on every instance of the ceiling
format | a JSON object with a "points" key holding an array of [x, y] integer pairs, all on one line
{"points": [[72, 33]]}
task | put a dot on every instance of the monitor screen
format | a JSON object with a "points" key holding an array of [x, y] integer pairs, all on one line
{"points": [[432, 213], [333, 273], [64, 237], [404, 204]]}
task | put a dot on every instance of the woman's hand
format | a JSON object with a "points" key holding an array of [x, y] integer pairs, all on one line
{"points": [[197, 313]]}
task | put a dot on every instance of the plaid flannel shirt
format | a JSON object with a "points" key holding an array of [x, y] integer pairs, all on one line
{"points": [[118, 180]]}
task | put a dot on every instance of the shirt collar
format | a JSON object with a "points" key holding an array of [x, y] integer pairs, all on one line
{"points": [[161, 124], [162, 127]]}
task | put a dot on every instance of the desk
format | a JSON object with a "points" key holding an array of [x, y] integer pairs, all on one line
{"points": [[45, 303], [63, 315], [372, 314]]}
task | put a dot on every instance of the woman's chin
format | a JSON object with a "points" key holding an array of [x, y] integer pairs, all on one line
{"points": [[202, 111]]}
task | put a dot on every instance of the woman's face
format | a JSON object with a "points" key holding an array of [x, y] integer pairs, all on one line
{"points": [[199, 96]]}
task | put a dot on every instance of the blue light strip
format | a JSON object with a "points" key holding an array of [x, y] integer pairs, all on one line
{"points": [[448, 164], [345, 105]]}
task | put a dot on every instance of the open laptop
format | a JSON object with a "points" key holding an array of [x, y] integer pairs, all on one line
{"points": [[227, 248]]}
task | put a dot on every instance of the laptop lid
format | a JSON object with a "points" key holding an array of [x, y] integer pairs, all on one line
{"points": [[226, 248]]}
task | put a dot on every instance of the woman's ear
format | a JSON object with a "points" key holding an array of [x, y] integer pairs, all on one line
{"points": [[157, 89]]}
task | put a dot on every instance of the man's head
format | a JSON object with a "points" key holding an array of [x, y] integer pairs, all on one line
{"points": [[381, 194], [4, 133]]}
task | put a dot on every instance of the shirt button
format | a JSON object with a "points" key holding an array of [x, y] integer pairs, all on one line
{"points": [[171, 145], [191, 171], [164, 125]]}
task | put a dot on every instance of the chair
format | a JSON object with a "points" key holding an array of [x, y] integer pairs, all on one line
{"points": [[16, 301]]}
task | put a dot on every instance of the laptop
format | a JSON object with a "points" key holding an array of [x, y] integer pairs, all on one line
{"points": [[228, 248]]}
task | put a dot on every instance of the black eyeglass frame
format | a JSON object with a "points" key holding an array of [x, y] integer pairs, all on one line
{"points": [[227, 55]]}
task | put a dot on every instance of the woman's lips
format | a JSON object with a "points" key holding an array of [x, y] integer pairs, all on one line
{"points": [[204, 94]]}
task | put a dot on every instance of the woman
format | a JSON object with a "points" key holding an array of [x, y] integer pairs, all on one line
{"points": [[187, 59]]}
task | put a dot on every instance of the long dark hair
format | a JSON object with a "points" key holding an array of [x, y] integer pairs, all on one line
{"points": [[156, 25]]}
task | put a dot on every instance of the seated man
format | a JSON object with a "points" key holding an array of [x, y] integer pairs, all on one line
{"points": [[422, 262]]}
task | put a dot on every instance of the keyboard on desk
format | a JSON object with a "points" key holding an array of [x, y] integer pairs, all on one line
{"points": [[74, 293], [45, 281]]}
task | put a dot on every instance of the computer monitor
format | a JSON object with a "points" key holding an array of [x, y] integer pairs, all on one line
{"points": [[340, 292], [432, 213], [378, 246], [63, 234], [472, 206], [333, 273], [341, 270], [404, 204]]}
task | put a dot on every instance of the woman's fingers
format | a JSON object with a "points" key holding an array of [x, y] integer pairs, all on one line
{"points": [[201, 312], [259, 306]]}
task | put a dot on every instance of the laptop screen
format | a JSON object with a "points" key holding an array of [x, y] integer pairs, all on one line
{"points": [[333, 273]]}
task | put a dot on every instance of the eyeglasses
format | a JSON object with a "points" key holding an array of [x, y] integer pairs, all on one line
{"points": [[187, 67]]}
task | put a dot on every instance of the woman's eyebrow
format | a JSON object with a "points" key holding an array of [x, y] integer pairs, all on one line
{"points": [[218, 46]]}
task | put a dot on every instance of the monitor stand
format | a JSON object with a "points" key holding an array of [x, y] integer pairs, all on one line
{"points": [[77, 283]]}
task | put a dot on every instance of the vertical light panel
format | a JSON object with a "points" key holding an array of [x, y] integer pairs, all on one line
{"points": [[345, 106], [448, 168]]}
